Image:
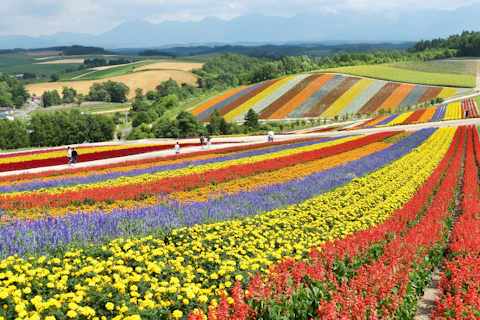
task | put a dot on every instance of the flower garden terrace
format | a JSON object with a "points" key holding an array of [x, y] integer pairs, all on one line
{"points": [[237, 233]]}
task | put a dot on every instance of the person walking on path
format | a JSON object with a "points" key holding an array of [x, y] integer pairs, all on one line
{"points": [[270, 136], [177, 149], [202, 140], [69, 156], [74, 155], [209, 141]]}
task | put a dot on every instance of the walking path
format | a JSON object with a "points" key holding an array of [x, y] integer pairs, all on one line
{"points": [[225, 142]]}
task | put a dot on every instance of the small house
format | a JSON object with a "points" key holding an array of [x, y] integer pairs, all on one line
{"points": [[37, 98]]}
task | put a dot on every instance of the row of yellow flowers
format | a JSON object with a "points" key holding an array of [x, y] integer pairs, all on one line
{"points": [[123, 181], [454, 111], [164, 278]]}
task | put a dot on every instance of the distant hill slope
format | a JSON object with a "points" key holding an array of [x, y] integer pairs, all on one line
{"points": [[319, 95], [250, 28]]}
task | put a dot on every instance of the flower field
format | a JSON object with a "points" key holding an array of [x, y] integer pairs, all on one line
{"points": [[452, 111], [318, 95], [52, 157], [345, 227]]}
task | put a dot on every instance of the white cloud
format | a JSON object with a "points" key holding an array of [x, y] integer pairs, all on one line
{"points": [[36, 17]]}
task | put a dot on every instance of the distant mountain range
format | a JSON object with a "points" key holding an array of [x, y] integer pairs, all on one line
{"points": [[343, 26]]}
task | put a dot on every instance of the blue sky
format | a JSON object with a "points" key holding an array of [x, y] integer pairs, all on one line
{"points": [[37, 17]]}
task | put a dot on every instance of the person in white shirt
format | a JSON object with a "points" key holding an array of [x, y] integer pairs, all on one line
{"points": [[177, 149], [270, 136], [69, 155]]}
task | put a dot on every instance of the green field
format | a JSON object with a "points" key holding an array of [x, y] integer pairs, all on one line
{"points": [[438, 66], [401, 75], [115, 71]]}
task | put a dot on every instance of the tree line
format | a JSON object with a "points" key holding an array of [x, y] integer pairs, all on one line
{"points": [[99, 62], [56, 128], [466, 44], [12, 92], [109, 91]]}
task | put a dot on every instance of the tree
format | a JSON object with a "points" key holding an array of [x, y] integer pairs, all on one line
{"points": [[214, 124], [55, 77], [51, 98], [139, 94], [68, 95], [251, 120], [80, 99]]}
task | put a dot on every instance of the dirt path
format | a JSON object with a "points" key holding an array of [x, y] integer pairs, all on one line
{"points": [[83, 75]]}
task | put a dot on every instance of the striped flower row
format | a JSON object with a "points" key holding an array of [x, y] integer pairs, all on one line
{"points": [[318, 95]]}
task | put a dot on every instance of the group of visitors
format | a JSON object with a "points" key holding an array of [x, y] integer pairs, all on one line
{"points": [[72, 156]]}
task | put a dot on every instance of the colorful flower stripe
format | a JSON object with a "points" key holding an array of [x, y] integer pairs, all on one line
{"points": [[460, 285], [454, 111], [397, 96], [46, 233], [321, 93], [226, 102], [128, 165], [429, 113], [86, 157], [300, 98], [39, 151], [387, 120], [256, 89], [258, 102], [365, 96], [400, 119], [97, 175], [283, 283], [322, 105], [270, 111], [267, 175], [471, 107], [298, 171], [429, 94], [325, 95], [447, 92], [347, 98], [144, 184], [415, 116], [213, 102], [373, 104], [62, 153], [188, 263], [340, 259]]}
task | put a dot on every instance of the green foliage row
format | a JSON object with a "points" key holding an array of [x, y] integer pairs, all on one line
{"points": [[56, 128]]}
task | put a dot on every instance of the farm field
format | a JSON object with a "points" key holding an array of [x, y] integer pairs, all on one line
{"points": [[328, 228], [318, 95], [410, 76], [451, 111], [147, 80], [438, 66], [184, 66]]}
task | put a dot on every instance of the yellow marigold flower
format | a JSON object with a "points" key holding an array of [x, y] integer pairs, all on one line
{"points": [[239, 277], [109, 306], [71, 314], [177, 314]]}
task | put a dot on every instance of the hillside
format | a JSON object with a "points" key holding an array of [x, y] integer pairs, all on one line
{"points": [[411, 76], [319, 95]]}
